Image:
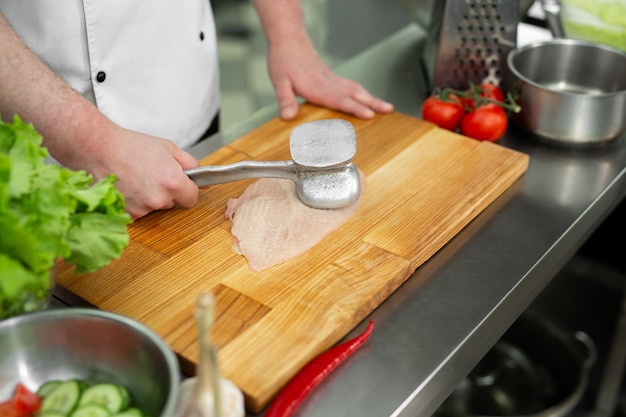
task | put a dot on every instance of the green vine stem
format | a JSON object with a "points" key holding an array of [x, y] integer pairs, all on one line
{"points": [[474, 93]]}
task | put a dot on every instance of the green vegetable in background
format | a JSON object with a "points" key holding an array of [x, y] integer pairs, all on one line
{"points": [[601, 21], [49, 212]]}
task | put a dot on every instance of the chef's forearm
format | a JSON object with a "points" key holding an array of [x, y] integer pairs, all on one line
{"points": [[29, 88], [281, 19]]}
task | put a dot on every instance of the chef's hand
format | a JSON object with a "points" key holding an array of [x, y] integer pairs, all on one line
{"points": [[149, 170], [296, 69]]}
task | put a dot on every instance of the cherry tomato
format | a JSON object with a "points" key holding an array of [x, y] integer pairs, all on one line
{"points": [[24, 403], [488, 122], [491, 91], [487, 90], [444, 113], [6, 409]]}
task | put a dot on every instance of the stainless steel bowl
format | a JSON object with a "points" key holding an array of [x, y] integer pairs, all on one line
{"points": [[91, 345], [570, 91]]}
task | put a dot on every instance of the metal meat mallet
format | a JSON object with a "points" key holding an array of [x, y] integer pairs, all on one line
{"points": [[321, 166]]}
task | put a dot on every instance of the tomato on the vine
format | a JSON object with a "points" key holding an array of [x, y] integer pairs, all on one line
{"points": [[444, 113], [491, 91], [486, 90], [488, 122], [478, 112]]}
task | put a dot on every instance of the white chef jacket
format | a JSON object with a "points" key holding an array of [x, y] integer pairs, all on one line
{"points": [[149, 65]]}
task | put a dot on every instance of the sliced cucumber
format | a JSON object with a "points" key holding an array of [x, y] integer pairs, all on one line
{"points": [[63, 397], [90, 410], [125, 396], [50, 414], [130, 412], [75, 398], [47, 387], [114, 397]]}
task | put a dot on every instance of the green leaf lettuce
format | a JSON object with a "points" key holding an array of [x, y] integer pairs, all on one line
{"points": [[47, 213]]}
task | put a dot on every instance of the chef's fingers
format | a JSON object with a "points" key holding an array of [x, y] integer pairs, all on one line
{"points": [[328, 89], [185, 159], [351, 97], [363, 97], [287, 101], [139, 208], [136, 212], [179, 191], [185, 191], [187, 194]]}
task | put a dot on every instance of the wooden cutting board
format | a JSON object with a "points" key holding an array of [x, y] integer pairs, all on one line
{"points": [[424, 184]]}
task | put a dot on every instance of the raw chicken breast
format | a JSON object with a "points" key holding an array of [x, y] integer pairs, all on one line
{"points": [[270, 225]]}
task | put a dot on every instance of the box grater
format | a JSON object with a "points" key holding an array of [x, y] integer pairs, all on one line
{"points": [[469, 41]]}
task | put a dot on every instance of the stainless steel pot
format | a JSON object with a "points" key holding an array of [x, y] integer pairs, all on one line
{"points": [[570, 91], [535, 370]]}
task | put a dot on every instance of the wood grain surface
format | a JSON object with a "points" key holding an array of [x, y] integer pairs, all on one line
{"points": [[424, 185]]}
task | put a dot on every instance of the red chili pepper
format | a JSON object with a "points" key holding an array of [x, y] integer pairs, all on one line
{"points": [[313, 374]]}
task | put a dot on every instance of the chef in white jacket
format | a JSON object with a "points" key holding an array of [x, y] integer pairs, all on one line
{"points": [[123, 86]]}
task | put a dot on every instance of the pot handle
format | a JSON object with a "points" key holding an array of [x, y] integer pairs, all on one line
{"points": [[552, 9], [591, 353]]}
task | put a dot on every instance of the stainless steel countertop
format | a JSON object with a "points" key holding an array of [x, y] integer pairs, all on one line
{"points": [[434, 329]]}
